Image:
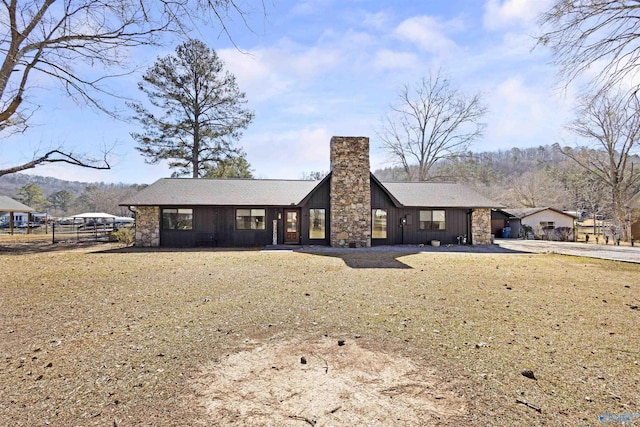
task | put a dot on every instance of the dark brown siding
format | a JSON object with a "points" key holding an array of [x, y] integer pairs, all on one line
{"points": [[220, 221], [318, 199], [457, 223]]}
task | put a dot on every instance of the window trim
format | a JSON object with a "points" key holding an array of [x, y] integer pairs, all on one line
{"points": [[432, 230], [252, 219], [386, 223], [547, 225], [177, 212], [324, 223]]}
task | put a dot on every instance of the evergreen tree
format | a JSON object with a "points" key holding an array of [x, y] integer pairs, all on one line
{"points": [[31, 195], [233, 167], [61, 200], [199, 111]]}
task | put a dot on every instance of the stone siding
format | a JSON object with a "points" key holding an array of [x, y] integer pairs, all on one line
{"points": [[350, 218], [147, 226], [481, 227]]}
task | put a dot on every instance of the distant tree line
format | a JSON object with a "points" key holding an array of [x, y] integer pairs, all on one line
{"points": [[531, 177], [46, 194]]}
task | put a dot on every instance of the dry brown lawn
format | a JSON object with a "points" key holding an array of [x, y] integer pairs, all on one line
{"points": [[95, 335]]}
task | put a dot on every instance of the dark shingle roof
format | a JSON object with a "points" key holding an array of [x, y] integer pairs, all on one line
{"points": [[437, 195], [261, 192], [230, 192]]}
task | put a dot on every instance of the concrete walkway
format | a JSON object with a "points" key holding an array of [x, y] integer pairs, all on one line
{"points": [[609, 252]]}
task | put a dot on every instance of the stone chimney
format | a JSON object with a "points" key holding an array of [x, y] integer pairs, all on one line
{"points": [[350, 219]]}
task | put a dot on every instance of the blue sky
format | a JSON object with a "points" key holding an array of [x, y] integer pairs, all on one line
{"points": [[317, 68]]}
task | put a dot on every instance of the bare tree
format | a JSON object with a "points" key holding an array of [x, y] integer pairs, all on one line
{"points": [[611, 123], [587, 34], [81, 44], [535, 189], [430, 122], [314, 175]]}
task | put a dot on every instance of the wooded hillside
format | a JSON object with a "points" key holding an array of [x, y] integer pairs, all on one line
{"points": [[81, 197], [522, 177]]}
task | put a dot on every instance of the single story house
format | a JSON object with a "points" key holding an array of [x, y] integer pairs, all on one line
{"points": [[545, 223], [348, 208]]}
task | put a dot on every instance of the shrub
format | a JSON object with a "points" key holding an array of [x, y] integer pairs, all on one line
{"points": [[526, 231], [124, 235], [564, 234]]}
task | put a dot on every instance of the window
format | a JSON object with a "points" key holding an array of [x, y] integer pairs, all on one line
{"points": [[379, 224], [547, 225], [317, 225], [433, 220], [177, 219], [250, 219]]}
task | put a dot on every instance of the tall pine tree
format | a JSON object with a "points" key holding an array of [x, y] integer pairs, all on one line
{"points": [[198, 111]]}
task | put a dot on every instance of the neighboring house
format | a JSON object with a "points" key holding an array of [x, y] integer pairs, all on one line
{"points": [[348, 208], [545, 223], [634, 208], [19, 218]]}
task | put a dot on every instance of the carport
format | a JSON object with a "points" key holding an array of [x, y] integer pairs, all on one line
{"points": [[7, 204]]}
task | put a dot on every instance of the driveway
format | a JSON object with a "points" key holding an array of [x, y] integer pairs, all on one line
{"points": [[610, 252]]}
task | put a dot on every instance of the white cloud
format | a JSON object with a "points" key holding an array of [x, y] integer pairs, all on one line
{"points": [[500, 14], [287, 154], [428, 34], [377, 21], [310, 7], [522, 114], [387, 59], [255, 74], [273, 72]]}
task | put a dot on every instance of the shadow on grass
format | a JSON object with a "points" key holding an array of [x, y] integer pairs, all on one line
{"points": [[389, 256], [141, 250], [368, 259], [37, 247]]}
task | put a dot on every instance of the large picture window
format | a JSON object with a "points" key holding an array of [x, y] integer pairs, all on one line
{"points": [[250, 219], [317, 225], [433, 220], [177, 219], [378, 224]]}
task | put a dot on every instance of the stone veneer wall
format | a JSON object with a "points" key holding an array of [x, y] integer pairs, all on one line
{"points": [[350, 213], [481, 227], [147, 226]]}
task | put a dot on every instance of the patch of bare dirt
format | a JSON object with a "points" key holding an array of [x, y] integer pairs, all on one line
{"points": [[324, 383]]}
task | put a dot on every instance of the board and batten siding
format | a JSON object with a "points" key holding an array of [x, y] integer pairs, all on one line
{"points": [[318, 199], [457, 222], [221, 222]]}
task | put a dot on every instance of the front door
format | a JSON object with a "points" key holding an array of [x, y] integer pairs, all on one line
{"points": [[292, 226]]}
